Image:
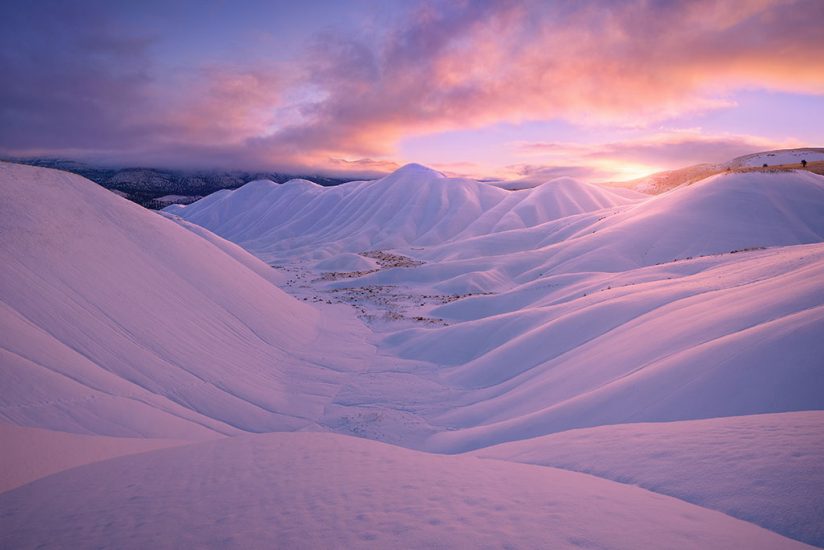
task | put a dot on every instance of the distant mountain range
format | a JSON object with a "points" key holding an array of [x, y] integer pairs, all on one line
{"points": [[157, 188]]}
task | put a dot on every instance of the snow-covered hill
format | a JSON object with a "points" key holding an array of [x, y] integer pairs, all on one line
{"points": [[116, 321], [444, 315], [592, 307], [727, 335], [668, 180], [724, 213], [779, 157], [414, 206]]}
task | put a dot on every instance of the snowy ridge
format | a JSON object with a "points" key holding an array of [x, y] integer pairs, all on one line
{"points": [[721, 214], [668, 180], [412, 206], [781, 156], [555, 354], [119, 322], [721, 281]]}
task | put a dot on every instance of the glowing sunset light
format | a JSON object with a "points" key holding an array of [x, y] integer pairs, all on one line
{"points": [[597, 90]]}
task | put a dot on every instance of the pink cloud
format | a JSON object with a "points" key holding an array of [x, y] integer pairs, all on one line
{"points": [[220, 104], [672, 148], [440, 66], [628, 63]]}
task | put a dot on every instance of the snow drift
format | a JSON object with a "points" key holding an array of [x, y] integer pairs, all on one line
{"points": [[328, 491], [762, 468]]}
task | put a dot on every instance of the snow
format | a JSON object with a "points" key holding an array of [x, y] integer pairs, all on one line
{"points": [[330, 491], [32, 453], [736, 337], [587, 306], [785, 156], [721, 214], [119, 322], [413, 206], [433, 313], [346, 262], [767, 469]]}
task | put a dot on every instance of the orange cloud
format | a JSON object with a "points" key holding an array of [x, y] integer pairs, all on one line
{"points": [[592, 63], [224, 104], [440, 66], [673, 148], [637, 157]]}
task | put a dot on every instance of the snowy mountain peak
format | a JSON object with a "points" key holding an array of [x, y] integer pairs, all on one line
{"points": [[414, 170], [259, 185], [300, 182]]}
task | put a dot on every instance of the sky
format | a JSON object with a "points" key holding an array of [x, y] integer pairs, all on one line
{"points": [[533, 89]]}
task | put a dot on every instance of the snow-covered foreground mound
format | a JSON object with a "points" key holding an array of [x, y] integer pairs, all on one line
{"points": [[412, 206], [116, 321], [762, 468], [32, 453], [331, 491]]}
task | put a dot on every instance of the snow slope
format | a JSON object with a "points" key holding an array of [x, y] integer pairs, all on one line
{"points": [[505, 316], [781, 156], [412, 206], [720, 214], [116, 321], [720, 336], [767, 469], [328, 491], [346, 262], [656, 310], [668, 180], [32, 453]]}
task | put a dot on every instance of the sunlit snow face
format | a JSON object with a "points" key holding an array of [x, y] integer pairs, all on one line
{"points": [[502, 89]]}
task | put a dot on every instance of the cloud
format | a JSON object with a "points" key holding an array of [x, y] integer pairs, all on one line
{"points": [[674, 148], [219, 104], [80, 77], [473, 63], [366, 167], [634, 158], [75, 89], [539, 173], [83, 85], [686, 148]]}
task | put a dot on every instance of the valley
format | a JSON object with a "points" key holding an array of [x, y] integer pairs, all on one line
{"points": [[263, 335]]}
